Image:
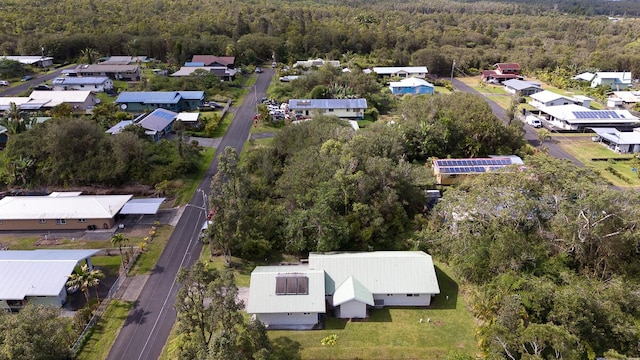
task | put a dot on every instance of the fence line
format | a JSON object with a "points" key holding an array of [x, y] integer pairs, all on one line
{"points": [[99, 312]]}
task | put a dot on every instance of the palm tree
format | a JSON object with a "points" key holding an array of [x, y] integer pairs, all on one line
{"points": [[15, 120], [119, 240], [543, 135], [85, 279]]}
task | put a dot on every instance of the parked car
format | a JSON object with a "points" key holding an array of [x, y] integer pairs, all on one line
{"points": [[4, 83], [258, 70], [42, 87], [26, 78], [533, 121]]}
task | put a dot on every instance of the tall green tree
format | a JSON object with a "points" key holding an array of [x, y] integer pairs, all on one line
{"points": [[86, 278]]}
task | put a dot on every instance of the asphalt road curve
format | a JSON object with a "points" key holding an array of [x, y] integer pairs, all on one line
{"points": [[149, 323], [530, 135], [24, 86]]}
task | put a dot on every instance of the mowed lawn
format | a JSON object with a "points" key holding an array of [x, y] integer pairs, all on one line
{"points": [[583, 149], [393, 333]]}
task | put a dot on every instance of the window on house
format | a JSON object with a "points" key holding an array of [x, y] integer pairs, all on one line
{"points": [[61, 221], [292, 284], [82, 220], [43, 221], [0, 222], [330, 110]]}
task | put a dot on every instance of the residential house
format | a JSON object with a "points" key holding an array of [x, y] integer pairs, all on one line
{"points": [[115, 72], [294, 296], [38, 61], [625, 97], [222, 72], [618, 141], [60, 211], [616, 80], [401, 71], [95, 84], [124, 60], [158, 123], [212, 60], [549, 98], [342, 108], [38, 276], [189, 119], [454, 171], [117, 128], [521, 88], [411, 86], [576, 117], [140, 101], [80, 101], [502, 72], [306, 64]]}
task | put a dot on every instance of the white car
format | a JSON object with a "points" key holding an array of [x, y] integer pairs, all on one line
{"points": [[4, 83]]}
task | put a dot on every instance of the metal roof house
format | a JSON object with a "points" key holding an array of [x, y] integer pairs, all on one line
{"points": [[140, 101], [222, 72], [616, 80], [453, 171], [158, 123], [60, 211], [412, 86], [618, 141], [91, 83], [39, 61], [576, 117], [342, 108], [401, 71], [521, 87], [350, 283], [550, 98], [37, 276], [212, 60], [115, 72]]}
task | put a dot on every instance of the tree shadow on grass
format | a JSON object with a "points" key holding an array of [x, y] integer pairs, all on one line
{"points": [[283, 348], [448, 297]]}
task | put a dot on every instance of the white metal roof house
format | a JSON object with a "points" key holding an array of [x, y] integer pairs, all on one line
{"points": [[550, 98], [37, 276], [412, 86], [342, 108], [80, 101], [521, 87], [618, 141], [576, 117], [56, 212], [316, 63], [96, 84], [287, 296], [401, 71], [222, 72], [348, 282], [617, 80], [33, 60], [116, 72]]}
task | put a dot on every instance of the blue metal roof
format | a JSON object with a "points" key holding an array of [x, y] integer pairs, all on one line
{"points": [[191, 63], [327, 104], [158, 119], [192, 95]]}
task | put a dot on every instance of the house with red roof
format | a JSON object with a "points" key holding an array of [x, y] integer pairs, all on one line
{"points": [[503, 72]]}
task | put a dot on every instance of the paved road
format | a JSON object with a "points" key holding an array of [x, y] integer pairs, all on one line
{"points": [[530, 135], [24, 86], [149, 323]]}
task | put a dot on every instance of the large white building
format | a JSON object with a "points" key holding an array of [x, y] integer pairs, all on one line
{"points": [[350, 283], [37, 276], [576, 117]]}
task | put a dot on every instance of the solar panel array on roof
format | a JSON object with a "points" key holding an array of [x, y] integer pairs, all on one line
{"points": [[472, 162], [603, 114]]}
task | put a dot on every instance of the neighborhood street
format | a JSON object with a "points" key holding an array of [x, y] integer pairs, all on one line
{"points": [[530, 134], [149, 323], [24, 86]]}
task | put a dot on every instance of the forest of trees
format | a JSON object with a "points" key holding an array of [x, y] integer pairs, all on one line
{"points": [[538, 35]]}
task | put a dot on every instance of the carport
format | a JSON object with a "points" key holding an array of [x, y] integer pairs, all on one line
{"points": [[141, 207]]}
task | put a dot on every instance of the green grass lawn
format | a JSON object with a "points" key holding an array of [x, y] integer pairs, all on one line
{"points": [[441, 90], [108, 264], [241, 268], [148, 258], [583, 149], [392, 333], [104, 333], [190, 183]]}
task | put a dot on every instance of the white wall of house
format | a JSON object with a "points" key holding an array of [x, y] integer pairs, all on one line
{"points": [[352, 309], [276, 319], [556, 102], [107, 85], [404, 299]]}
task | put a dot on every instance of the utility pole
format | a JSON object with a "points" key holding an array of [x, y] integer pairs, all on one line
{"points": [[453, 66]]}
